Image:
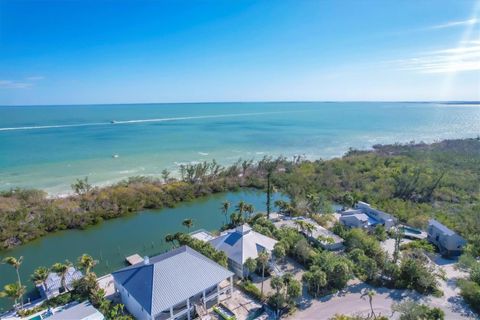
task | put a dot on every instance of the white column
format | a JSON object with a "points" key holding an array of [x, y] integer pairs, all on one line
{"points": [[171, 312], [231, 286]]}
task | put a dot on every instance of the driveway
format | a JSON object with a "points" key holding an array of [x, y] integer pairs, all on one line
{"points": [[349, 301]]}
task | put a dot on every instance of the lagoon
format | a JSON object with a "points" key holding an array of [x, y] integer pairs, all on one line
{"points": [[111, 241]]}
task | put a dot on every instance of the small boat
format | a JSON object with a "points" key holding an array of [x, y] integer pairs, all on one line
{"points": [[113, 121], [115, 156]]}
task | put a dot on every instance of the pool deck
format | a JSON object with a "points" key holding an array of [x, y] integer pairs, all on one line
{"points": [[413, 233]]}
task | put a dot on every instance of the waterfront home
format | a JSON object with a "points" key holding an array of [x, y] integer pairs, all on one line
{"points": [[172, 285], [80, 311], [242, 243], [364, 216], [325, 238], [448, 242], [355, 219], [52, 286], [383, 218]]}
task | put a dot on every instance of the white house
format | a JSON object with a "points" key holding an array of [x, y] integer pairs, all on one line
{"points": [[242, 243], [53, 284], [448, 242], [172, 285], [381, 217], [355, 219], [80, 311], [364, 216]]}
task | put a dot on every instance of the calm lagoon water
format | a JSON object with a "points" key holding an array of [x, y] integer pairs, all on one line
{"points": [[111, 241], [48, 147]]}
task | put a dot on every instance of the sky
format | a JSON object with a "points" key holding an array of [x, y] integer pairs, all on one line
{"points": [[87, 52]]}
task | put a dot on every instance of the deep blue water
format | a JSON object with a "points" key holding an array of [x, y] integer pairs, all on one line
{"points": [[49, 147]]}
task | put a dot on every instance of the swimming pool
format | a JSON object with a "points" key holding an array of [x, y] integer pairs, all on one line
{"points": [[406, 229]]}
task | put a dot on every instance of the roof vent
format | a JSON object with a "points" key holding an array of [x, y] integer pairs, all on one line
{"points": [[146, 260]]}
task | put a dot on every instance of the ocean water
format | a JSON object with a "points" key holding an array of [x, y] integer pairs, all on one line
{"points": [[48, 147]]}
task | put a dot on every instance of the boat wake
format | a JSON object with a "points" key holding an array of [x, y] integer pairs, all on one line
{"points": [[120, 122]]}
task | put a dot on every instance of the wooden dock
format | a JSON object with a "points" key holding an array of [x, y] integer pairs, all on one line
{"points": [[134, 259]]}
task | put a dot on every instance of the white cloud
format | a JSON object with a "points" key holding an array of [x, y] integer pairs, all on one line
{"points": [[11, 84], [20, 84], [451, 24], [450, 60]]}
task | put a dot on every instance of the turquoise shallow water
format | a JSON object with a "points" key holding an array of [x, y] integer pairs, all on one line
{"points": [[49, 147]]}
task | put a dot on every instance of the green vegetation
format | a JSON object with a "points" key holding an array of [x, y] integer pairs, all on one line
{"points": [[204, 248], [470, 287], [29, 214], [251, 289], [287, 291], [411, 310], [414, 182], [85, 288]]}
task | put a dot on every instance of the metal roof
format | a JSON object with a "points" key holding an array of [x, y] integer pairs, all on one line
{"points": [[242, 243], [358, 216], [54, 281], [170, 278], [81, 311], [441, 227]]}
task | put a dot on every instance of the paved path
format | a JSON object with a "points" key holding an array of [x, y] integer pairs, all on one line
{"points": [[350, 302]]}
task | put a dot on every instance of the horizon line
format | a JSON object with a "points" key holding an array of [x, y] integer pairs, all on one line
{"points": [[240, 102]]}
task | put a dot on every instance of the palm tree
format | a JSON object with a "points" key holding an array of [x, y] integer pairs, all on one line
{"points": [[225, 207], [300, 225], [170, 239], [251, 265], [16, 263], [370, 294], [40, 275], [241, 207], [188, 223], [277, 283], [262, 260], [249, 208], [61, 269], [309, 228], [86, 263], [271, 167], [236, 219], [15, 291]]}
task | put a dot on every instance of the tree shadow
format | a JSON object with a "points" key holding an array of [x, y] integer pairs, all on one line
{"points": [[460, 306]]}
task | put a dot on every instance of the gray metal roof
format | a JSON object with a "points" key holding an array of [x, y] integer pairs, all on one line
{"points": [[79, 311], [441, 227], [54, 281], [170, 278], [358, 216], [242, 243]]}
